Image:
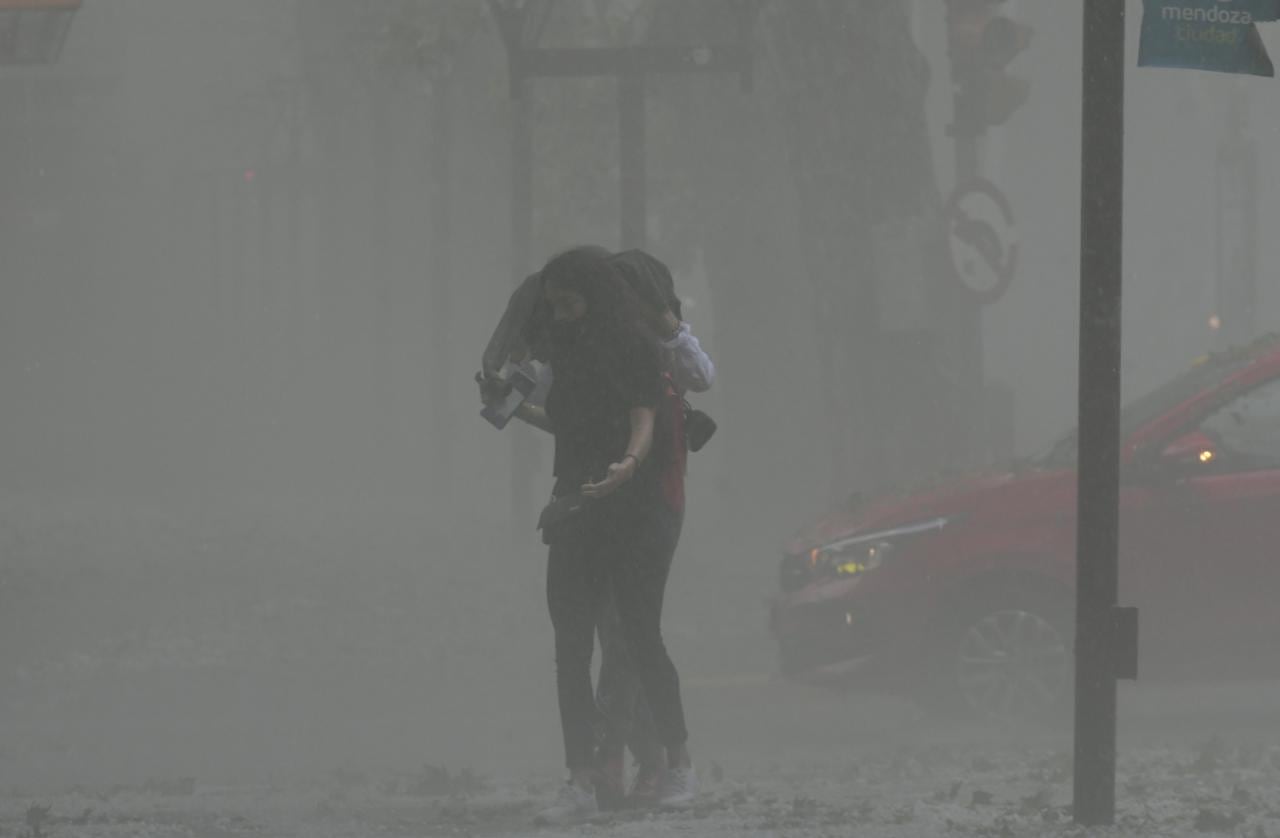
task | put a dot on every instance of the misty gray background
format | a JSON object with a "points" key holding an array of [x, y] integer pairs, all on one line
{"points": [[250, 521]]}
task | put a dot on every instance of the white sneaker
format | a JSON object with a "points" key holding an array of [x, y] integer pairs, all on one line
{"points": [[573, 802], [679, 787]]}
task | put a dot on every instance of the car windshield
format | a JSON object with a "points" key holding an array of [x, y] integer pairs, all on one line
{"points": [[1203, 376]]}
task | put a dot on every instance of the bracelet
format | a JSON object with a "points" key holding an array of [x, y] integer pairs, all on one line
{"points": [[632, 456]]}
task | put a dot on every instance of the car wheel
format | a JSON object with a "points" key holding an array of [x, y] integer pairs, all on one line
{"points": [[1011, 660]]}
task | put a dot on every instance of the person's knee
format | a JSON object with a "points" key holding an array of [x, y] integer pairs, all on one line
{"points": [[614, 648], [647, 650]]}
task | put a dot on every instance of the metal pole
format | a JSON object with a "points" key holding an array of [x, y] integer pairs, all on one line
{"points": [[293, 268], [383, 144], [631, 150], [1237, 227], [967, 318], [1098, 496], [239, 232], [967, 159], [211, 185], [441, 262], [962, 322], [524, 453], [268, 293]]}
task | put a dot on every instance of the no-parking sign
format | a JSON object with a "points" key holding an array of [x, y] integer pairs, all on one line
{"points": [[982, 240]]}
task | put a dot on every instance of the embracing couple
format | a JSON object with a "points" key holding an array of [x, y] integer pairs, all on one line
{"points": [[616, 363]]}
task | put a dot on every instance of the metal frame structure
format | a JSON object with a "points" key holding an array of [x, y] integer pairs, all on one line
{"points": [[32, 32], [522, 24]]}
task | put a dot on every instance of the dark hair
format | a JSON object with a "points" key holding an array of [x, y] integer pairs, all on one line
{"points": [[650, 279], [613, 321], [537, 326]]}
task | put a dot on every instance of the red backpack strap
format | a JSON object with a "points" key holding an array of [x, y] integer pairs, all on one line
{"points": [[678, 452]]}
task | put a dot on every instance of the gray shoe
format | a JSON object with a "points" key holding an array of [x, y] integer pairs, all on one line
{"points": [[572, 803], [679, 787]]}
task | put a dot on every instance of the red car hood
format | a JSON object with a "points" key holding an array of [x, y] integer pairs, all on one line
{"points": [[939, 499]]}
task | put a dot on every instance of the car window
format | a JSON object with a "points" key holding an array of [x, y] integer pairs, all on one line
{"points": [[1248, 429], [1200, 377]]}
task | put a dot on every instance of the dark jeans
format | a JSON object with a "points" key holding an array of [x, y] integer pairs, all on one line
{"points": [[625, 718], [623, 554]]}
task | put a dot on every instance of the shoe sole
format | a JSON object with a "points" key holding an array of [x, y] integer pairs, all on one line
{"points": [[566, 820], [639, 804]]}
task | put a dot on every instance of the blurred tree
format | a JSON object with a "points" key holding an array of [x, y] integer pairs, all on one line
{"points": [[721, 197], [842, 177], [838, 110], [851, 85], [424, 37], [421, 44], [393, 62]]}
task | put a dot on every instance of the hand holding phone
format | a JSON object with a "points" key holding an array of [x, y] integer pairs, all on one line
{"points": [[492, 388], [508, 394]]}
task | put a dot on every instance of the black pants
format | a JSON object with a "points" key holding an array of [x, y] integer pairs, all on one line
{"points": [[626, 553], [626, 720]]}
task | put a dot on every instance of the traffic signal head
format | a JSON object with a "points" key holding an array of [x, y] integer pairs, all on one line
{"points": [[981, 44], [988, 102], [1003, 39]]}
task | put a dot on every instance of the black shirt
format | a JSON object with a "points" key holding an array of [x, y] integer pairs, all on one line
{"points": [[589, 406]]}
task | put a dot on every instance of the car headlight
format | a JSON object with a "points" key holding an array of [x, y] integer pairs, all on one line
{"points": [[866, 552]]}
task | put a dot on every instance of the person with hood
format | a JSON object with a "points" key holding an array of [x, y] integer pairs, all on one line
{"points": [[691, 369], [611, 409], [519, 334], [625, 720]]}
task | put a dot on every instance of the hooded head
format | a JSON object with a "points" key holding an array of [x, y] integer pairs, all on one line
{"points": [[586, 303], [650, 279]]}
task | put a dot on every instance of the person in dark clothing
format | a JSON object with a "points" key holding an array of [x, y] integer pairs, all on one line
{"points": [[691, 370], [625, 718], [521, 332], [610, 411]]}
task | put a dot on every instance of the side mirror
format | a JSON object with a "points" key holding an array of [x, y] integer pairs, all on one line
{"points": [[1192, 451]]}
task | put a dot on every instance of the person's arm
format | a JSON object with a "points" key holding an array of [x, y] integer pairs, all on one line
{"points": [[692, 369], [534, 415], [638, 447], [508, 337], [542, 387]]}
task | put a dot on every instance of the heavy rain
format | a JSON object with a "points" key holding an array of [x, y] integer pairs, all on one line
{"points": [[291, 290]]}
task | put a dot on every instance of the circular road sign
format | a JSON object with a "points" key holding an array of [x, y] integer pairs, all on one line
{"points": [[982, 240]]}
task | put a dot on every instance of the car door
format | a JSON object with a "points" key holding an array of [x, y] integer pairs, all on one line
{"points": [[1161, 572], [1206, 545], [1238, 519]]}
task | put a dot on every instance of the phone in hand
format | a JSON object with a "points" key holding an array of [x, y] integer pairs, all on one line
{"points": [[518, 386]]}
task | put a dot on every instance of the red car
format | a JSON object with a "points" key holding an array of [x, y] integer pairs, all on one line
{"points": [[965, 590]]}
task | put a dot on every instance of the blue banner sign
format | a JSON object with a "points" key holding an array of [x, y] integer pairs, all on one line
{"points": [[1215, 35]]}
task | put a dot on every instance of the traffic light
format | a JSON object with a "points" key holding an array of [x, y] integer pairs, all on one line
{"points": [[981, 44]]}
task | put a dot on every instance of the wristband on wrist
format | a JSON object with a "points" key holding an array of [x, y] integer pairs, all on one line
{"points": [[634, 457]]}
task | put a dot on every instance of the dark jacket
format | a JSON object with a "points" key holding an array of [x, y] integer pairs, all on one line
{"points": [[513, 332], [520, 330]]}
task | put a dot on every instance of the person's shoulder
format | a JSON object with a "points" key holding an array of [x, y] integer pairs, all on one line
{"points": [[640, 345], [531, 284]]}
